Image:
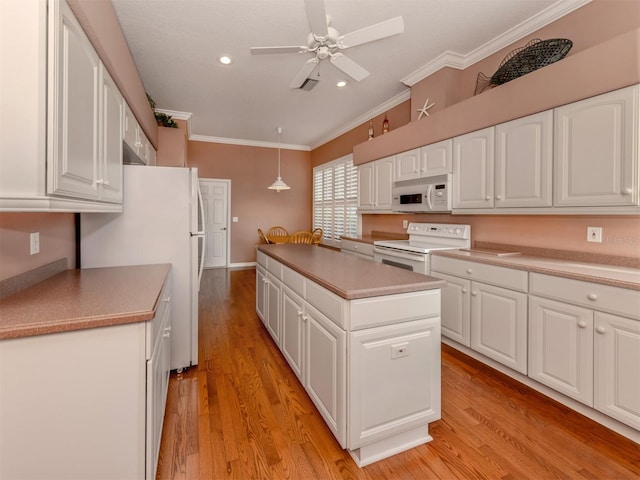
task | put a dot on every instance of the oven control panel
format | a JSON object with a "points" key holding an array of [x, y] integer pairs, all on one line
{"points": [[443, 230]]}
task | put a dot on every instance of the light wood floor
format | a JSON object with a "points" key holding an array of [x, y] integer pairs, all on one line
{"points": [[242, 414]]}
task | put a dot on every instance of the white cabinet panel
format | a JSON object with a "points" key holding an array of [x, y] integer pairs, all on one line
{"points": [[561, 347], [524, 152], [375, 180], [473, 159], [326, 371], [499, 325], [261, 291], [456, 308], [293, 331], [110, 171], [272, 320], [596, 150], [436, 158], [617, 368], [408, 165], [366, 187]]}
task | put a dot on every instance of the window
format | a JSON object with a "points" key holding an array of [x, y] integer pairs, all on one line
{"points": [[335, 199]]}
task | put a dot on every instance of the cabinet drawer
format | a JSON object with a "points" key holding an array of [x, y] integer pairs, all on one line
{"points": [[328, 303], [261, 258], [357, 247], [274, 268], [402, 307], [592, 295], [481, 272], [293, 280]]}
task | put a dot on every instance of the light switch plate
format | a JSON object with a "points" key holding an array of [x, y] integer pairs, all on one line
{"points": [[594, 234], [34, 243]]}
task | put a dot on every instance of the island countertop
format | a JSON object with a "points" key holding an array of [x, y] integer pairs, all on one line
{"points": [[347, 276], [80, 299]]}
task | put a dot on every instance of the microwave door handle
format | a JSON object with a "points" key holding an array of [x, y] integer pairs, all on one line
{"points": [[429, 190]]}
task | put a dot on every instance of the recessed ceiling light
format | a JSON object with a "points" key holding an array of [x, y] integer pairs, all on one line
{"points": [[225, 59], [341, 83]]}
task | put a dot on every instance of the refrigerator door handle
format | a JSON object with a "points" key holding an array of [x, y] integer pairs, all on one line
{"points": [[201, 266], [201, 233]]}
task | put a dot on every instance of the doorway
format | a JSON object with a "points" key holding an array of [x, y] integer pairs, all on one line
{"points": [[216, 200]]}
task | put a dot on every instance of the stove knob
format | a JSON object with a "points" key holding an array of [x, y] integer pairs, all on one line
{"points": [[458, 231]]}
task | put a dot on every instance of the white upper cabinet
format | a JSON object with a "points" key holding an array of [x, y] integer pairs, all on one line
{"points": [[524, 151], [408, 165], [375, 180], [473, 157], [596, 150], [435, 159], [61, 145]]}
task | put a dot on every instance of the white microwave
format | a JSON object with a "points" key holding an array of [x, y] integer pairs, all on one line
{"points": [[428, 194]]}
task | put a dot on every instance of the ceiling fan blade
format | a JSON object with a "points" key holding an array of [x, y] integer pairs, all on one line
{"points": [[304, 72], [348, 66], [317, 17], [371, 33], [284, 49]]}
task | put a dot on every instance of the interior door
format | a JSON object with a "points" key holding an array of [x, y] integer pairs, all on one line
{"points": [[215, 201]]}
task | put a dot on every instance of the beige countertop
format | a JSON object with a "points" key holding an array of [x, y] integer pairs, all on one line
{"points": [[613, 275], [80, 299], [347, 276]]}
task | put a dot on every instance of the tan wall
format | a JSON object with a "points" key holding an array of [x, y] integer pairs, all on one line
{"points": [[57, 240], [251, 170], [620, 234]]}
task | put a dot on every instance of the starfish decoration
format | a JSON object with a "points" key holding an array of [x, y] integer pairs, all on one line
{"points": [[423, 110]]}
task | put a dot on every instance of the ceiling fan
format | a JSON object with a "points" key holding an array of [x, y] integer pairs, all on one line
{"points": [[325, 42]]}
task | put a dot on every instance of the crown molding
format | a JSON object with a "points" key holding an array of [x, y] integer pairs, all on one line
{"points": [[459, 61], [248, 143], [365, 117]]}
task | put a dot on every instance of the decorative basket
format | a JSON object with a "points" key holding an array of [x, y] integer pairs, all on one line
{"points": [[534, 55]]}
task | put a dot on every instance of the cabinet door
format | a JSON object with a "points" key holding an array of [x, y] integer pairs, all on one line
{"points": [[293, 321], [561, 347], [384, 178], [617, 371], [366, 199], [524, 149], [325, 361], [408, 165], [76, 101], [110, 178], [499, 325], [261, 297], [395, 365], [436, 158], [272, 321], [473, 169], [596, 152], [130, 128], [456, 308]]}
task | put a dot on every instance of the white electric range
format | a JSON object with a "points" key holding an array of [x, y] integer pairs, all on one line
{"points": [[413, 254]]}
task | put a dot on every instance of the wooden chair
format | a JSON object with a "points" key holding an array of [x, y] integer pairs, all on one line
{"points": [[277, 235], [317, 236], [263, 239], [301, 237]]}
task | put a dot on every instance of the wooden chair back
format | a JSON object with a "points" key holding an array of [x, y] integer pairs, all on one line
{"points": [[301, 237], [263, 239], [277, 232], [317, 236]]}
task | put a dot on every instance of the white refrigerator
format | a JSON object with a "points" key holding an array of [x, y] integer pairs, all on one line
{"points": [[162, 222]]}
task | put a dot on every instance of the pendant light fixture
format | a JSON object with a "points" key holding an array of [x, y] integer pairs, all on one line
{"points": [[279, 184]]}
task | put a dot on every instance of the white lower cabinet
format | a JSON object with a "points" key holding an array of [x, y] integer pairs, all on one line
{"points": [[479, 312], [85, 403], [371, 366]]}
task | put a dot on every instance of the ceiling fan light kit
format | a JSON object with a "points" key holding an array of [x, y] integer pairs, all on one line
{"points": [[279, 184], [325, 42]]}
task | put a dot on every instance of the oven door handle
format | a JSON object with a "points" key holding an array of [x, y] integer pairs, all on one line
{"points": [[416, 257]]}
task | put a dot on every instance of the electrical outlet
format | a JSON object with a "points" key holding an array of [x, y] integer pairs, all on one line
{"points": [[405, 223], [594, 234], [34, 243]]}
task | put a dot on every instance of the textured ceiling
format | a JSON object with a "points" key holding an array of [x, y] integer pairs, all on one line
{"points": [[175, 44]]}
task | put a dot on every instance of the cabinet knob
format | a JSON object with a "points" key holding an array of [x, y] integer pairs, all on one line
{"points": [[305, 318], [464, 290], [473, 294], [105, 182], [592, 296], [299, 313], [627, 191], [469, 271], [487, 198], [498, 197], [99, 181], [582, 324], [601, 330]]}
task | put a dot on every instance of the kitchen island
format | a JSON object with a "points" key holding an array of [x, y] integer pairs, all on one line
{"points": [[84, 370], [363, 339]]}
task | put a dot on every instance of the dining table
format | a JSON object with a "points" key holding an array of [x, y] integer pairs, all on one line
{"points": [[277, 238]]}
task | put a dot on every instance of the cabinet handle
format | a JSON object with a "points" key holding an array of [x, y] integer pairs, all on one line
{"points": [[592, 296], [582, 324], [601, 330], [627, 191], [469, 271]]}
